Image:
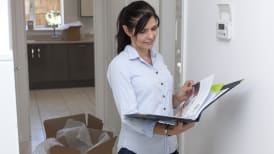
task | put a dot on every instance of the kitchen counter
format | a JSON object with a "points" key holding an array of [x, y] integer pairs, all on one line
{"points": [[57, 41]]}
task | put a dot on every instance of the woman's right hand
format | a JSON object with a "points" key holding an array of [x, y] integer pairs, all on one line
{"points": [[179, 128]]}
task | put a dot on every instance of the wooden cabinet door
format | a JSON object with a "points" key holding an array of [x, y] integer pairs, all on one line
{"points": [[57, 64], [60, 65], [37, 63], [47, 64], [81, 61]]}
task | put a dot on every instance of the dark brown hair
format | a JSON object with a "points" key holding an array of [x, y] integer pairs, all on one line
{"points": [[135, 15]]}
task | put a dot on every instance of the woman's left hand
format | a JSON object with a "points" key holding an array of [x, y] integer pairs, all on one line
{"points": [[185, 92], [180, 128]]}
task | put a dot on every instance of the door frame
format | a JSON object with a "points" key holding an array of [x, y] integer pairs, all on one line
{"points": [[21, 70]]}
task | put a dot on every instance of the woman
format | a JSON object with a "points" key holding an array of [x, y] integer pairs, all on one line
{"points": [[141, 83]]}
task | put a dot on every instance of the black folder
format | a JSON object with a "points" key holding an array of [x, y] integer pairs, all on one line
{"points": [[172, 120]]}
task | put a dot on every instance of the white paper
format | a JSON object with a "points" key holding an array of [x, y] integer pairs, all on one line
{"points": [[195, 103]]}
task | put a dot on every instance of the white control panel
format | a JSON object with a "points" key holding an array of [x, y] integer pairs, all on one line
{"points": [[223, 30], [224, 23]]}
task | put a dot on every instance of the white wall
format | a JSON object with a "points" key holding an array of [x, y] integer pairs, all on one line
{"points": [[8, 115], [4, 30], [70, 9], [241, 122], [72, 13]]}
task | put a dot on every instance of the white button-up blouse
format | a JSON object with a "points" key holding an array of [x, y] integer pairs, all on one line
{"points": [[139, 87]]}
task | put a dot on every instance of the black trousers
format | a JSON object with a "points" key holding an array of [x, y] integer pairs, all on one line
{"points": [[126, 151]]}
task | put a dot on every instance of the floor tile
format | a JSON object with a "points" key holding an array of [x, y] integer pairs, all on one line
{"points": [[52, 103]]}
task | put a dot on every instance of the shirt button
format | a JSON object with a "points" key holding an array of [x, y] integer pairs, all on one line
{"points": [[162, 83], [164, 96], [164, 108], [156, 72]]}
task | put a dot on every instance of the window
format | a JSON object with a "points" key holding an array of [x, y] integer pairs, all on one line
{"points": [[43, 12]]}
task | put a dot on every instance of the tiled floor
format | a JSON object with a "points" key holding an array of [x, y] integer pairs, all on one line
{"points": [[51, 103]]}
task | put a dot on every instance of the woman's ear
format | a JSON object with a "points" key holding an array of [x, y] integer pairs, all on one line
{"points": [[126, 30]]}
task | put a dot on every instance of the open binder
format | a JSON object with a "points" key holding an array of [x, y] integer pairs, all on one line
{"points": [[205, 93]]}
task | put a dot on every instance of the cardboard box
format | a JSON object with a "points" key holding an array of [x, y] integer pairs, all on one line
{"points": [[72, 33], [53, 125]]}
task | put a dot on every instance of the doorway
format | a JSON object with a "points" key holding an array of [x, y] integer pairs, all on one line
{"points": [[34, 106], [104, 102]]}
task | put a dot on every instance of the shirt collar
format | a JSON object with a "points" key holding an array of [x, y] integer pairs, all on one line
{"points": [[133, 54]]}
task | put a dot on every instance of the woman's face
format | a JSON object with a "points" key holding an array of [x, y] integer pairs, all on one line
{"points": [[144, 40]]}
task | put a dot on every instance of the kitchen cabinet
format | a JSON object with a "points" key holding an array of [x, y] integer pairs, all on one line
{"points": [[36, 63], [60, 65], [47, 64], [80, 59]]}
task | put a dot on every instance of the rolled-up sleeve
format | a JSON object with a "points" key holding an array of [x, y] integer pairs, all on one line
{"points": [[125, 99]]}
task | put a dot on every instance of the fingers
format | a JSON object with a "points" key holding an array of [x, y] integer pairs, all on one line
{"points": [[188, 83], [188, 91], [184, 127], [188, 86], [187, 126], [180, 128]]}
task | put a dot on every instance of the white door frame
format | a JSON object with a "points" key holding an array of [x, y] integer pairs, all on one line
{"points": [[99, 47], [105, 50], [183, 58], [21, 70]]}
